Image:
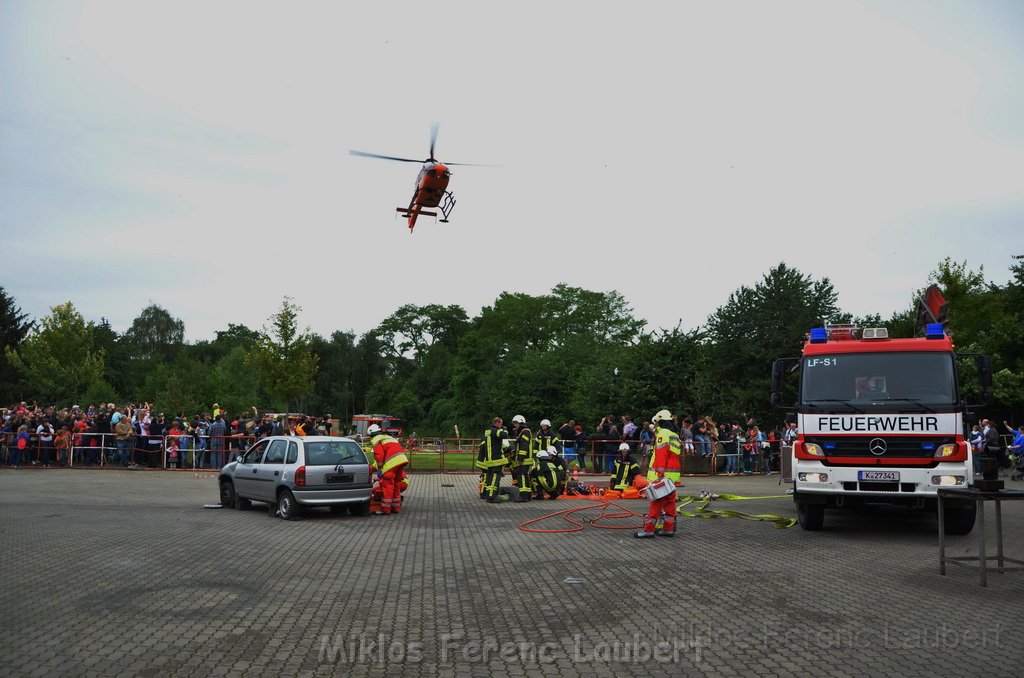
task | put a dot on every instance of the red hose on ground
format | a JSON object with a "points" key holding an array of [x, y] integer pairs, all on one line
{"points": [[595, 502]]}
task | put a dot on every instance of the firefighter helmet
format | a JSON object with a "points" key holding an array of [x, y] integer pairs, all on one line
{"points": [[373, 430], [519, 419], [662, 415], [624, 447], [545, 422], [543, 454], [552, 451]]}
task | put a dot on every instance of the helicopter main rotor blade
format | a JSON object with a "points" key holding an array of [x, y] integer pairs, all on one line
{"points": [[433, 139], [364, 154]]}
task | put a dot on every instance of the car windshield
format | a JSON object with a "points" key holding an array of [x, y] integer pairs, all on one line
{"points": [[334, 452]]}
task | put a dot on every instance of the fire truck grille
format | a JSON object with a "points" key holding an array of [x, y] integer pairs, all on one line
{"points": [[879, 446]]}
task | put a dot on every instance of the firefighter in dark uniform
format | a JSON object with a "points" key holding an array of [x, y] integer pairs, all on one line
{"points": [[550, 474], [522, 463], [491, 458], [543, 440], [626, 468]]}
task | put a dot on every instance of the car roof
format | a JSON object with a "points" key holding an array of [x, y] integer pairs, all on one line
{"points": [[309, 439]]}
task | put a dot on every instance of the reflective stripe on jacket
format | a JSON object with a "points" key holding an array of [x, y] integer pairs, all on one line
{"points": [[388, 453], [665, 456], [492, 452]]}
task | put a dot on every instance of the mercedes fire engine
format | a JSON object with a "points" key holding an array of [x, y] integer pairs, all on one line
{"points": [[880, 420]]}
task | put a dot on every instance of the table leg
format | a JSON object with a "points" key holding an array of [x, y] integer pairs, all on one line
{"points": [[981, 544], [999, 533]]}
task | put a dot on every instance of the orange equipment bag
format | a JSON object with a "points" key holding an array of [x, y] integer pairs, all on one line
{"points": [[612, 494], [639, 482], [631, 493]]}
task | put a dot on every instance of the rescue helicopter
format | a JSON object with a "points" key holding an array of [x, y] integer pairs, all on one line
{"points": [[431, 188]]}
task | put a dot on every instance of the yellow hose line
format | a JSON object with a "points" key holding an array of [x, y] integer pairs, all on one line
{"points": [[702, 511]]}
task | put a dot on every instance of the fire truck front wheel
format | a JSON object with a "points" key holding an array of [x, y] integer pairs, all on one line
{"points": [[810, 516]]}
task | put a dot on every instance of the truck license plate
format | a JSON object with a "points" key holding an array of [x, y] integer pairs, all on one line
{"points": [[338, 478], [891, 476]]}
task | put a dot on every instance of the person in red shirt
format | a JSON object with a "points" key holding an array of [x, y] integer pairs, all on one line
{"points": [[390, 461]]}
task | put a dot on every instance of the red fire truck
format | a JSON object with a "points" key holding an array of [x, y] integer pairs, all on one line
{"points": [[880, 420], [389, 424]]}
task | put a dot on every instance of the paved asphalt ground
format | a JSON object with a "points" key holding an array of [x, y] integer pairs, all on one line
{"points": [[125, 573]]}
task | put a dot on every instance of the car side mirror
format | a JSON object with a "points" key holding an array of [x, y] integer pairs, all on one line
{"points": [[239, 459]]}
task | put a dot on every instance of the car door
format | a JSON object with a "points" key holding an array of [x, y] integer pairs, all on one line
{"points": [[246, 470], [268, 474]]}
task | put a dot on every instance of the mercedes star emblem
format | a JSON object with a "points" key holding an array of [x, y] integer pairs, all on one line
{"points": [[877, 446]]}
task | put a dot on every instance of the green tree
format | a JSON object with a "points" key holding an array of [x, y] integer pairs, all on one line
{"points": [[334, 391], [155, 334], [14, 327], [757, 325], [57, 357], [283, 358]]}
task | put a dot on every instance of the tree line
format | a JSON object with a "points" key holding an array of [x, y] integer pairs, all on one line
{"points": [[572, 353]]}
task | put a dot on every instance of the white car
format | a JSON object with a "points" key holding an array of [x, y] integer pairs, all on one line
{"points": [[293, 473]]}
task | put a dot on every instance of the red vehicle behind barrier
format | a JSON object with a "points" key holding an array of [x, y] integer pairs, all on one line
{"points": [[390, 424]]}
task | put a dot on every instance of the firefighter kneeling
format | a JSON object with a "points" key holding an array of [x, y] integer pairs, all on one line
{"points": [[550, 473], [665, 470], [389, 460]]}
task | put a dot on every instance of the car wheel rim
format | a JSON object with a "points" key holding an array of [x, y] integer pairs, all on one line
{"points": [[226, 495], [285, 506]]}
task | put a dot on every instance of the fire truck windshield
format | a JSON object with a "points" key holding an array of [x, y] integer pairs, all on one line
{"points": [[924, 380]]}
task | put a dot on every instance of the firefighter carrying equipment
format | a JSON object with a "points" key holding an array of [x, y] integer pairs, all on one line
{"points": [[665, 456]]}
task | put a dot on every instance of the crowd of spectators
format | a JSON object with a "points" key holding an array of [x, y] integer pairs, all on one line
{"points": [[735, 447], [135, 436]]}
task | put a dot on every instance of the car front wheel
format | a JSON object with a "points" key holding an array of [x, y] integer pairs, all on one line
{"points": [[287, 507], [227, 494]]}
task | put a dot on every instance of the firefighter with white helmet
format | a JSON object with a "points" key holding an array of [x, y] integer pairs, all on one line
{"points": [[389, 461], [550, 473], [665, 464], [522, 463], [626, 468], [545, 438]]}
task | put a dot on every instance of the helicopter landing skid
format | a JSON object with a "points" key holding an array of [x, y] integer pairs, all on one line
{"points": [[446, 206], [405, 211]]}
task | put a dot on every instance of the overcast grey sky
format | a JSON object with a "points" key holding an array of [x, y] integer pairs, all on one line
{"points": [[195, 154]]}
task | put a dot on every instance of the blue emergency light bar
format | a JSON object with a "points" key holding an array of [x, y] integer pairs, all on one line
{"points": [[819, 335], [934, 331]]}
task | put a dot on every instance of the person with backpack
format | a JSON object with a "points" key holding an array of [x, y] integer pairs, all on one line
{"points": [[21, 445]]}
